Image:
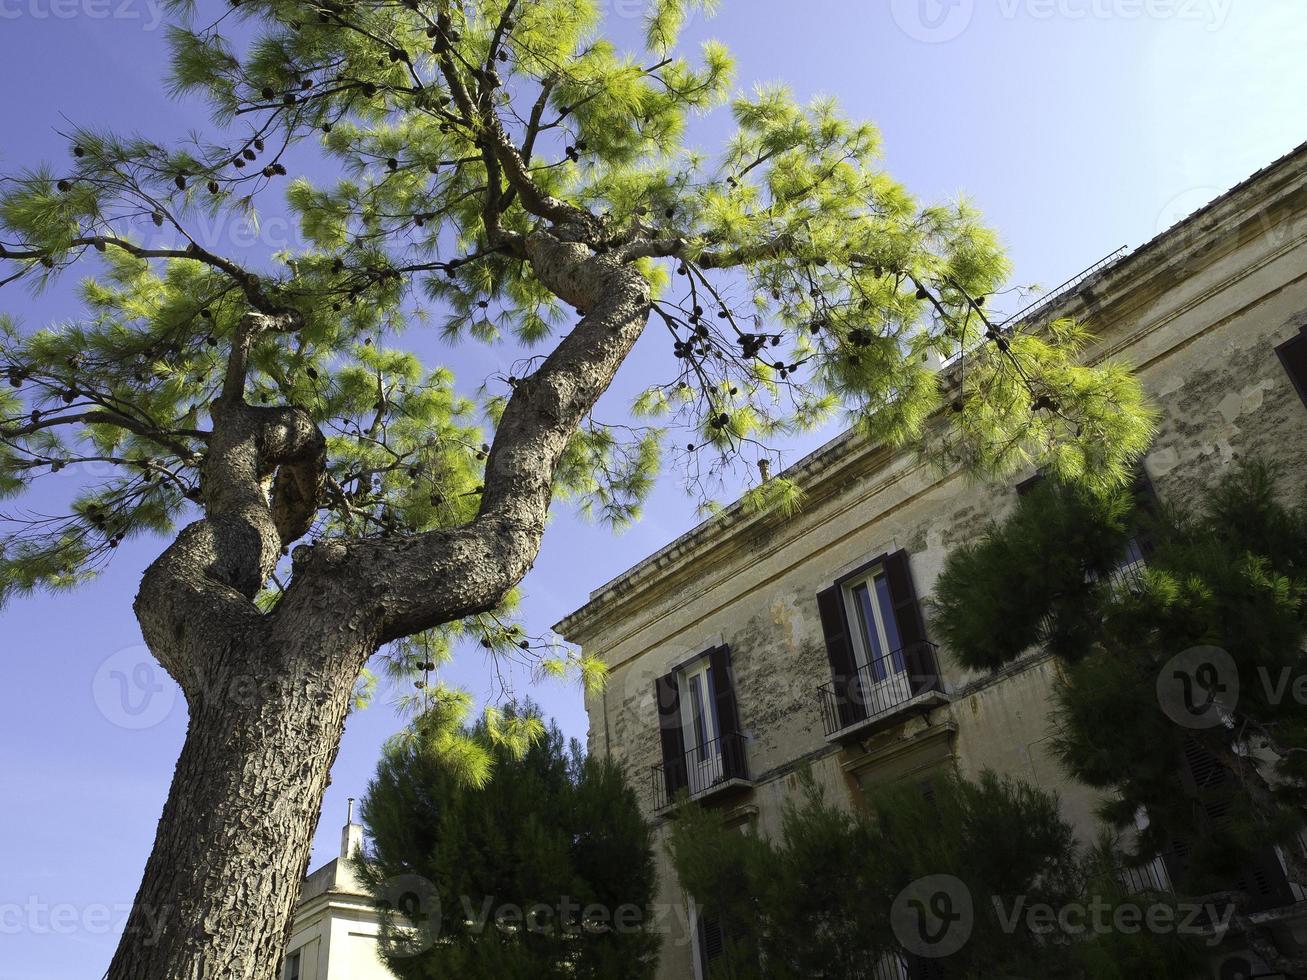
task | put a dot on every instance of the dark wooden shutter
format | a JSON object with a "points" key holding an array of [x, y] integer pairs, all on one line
{"points": [[1293, 355], [1201, 775], [1147, 512], [675, 777], [1262, 877], [839, 649], [1025, 486], [712, 940], [918, 655], [728, 713]]}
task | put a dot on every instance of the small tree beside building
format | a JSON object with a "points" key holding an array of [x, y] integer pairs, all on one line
{"points": [[500, 851], [1180, 636], [949, 879]]}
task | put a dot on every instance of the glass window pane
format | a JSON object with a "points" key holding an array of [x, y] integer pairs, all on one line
{"points": [[889, 623], [870, 634], [696, 712]]}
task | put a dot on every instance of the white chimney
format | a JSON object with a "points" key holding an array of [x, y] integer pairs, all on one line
{"points": [[351, 836]]}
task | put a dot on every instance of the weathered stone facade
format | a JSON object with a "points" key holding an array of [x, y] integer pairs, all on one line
{"points": [[1199, 312]]}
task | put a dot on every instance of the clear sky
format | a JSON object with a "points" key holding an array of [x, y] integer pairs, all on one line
{"points": [[1078, 126]]}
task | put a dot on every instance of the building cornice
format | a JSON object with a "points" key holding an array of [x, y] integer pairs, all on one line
{"points": [[1116, 295]]}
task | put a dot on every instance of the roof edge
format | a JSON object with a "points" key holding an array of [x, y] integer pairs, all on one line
{"points": [[846, 445]]}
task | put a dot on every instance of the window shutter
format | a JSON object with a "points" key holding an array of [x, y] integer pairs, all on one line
{"points": [[839, 649], [1263, 880], [1293, 355], [1262, 877], [1147, 507], [668, 697], [1202, 772], [1025, 486], [712, 940], [728, 713], [922, 670]]}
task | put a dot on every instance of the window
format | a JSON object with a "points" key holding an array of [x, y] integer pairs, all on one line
{"points": [[876, 640], [876, 643], [1293, 355], [1129, 570], [702, 745], [293, 966], [1207, 782], [712, 940], [702, 730]]}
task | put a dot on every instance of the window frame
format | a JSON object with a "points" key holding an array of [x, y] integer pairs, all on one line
{"points": [[1297, 379], [874, 582], [696, 679]]}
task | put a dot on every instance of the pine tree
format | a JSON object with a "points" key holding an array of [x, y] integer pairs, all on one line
{"points": [[1231, 575], [503, 167], [821, 899], [527, 858]]}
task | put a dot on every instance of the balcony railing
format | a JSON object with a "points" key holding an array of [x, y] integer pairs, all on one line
{"points": [[1144, 879], [1155, 876], [900, 966], [1129, 573], [879, 689], [700, 770]]}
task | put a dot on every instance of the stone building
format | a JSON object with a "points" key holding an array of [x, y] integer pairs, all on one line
{"points": [[335, 926], [724, 645]]}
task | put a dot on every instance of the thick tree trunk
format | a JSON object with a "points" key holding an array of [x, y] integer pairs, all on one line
{"points": [[268, 693], [233, 843]]}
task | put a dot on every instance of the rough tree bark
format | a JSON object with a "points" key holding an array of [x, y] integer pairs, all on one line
{"points": [[268, 693]]}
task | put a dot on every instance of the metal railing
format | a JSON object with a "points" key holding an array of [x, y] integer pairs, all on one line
{"points": [[1043, 303], [891, 966], [879, 688], [1129, 575], [900, 965], [1053, 295], [699, 769], [1150, 878]]}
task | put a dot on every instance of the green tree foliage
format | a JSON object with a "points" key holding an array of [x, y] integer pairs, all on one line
{"points": [[819, 900], [808, 278], [489, 171], [1036, 579], [1231, 574], [500, 819]]}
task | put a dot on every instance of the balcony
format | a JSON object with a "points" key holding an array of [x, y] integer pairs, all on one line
{"points": [[1145, 879], [706, 771], [881, 692], [900, 966]]}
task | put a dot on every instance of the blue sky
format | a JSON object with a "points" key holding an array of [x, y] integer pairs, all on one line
{"points": [[1077, 126]]}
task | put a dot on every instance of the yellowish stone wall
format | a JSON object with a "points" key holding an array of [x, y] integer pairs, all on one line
{"points": [[1198, 313]]}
